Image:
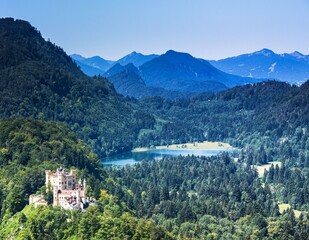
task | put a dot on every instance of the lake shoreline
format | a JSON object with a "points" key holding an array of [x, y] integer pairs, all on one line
{"points": [[190, 146]]}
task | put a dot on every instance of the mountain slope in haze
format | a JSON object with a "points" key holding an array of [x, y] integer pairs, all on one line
{"points": [[291, 68], [172, 71], [182, 72], [128, 82], [98, 66], [92, 66], [38, 80], [137, 59]]}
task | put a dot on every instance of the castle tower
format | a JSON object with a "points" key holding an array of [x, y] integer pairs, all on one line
{"points": [[47, 178], [73, 172], [77, 197], [73, 180], [56, 197]]}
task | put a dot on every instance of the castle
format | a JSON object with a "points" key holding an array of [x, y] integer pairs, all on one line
{"points": [[67, 191]]}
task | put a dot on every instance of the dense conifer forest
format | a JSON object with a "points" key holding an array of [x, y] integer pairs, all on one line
{"points": [[53, 115]]}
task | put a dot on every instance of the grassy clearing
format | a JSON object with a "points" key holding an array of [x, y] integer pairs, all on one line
{"points": [[192, 146], [285, 206], [262, 168]]}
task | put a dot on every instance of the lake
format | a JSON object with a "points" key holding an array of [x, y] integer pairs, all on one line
{"points": [[135, 157]]}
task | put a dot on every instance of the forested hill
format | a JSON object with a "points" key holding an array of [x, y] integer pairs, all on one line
{"points": [[275, 106], [38, 80], [28, 148], [271, 114], [22, 43]]}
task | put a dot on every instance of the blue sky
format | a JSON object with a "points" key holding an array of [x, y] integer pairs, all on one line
{"points": [[208, 29]]}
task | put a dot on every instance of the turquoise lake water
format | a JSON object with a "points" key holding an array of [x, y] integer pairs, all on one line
{"points": [[135, 157]]}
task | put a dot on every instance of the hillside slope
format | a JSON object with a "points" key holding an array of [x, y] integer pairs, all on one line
{"points": [[92, 66], [38, 80], [128, 82], [28, 148]]}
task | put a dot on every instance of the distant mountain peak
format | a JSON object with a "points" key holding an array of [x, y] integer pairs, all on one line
{"points": [[118, 68], [77, 57], [173, 52], [136, 58], [130, 67], [290, 67], [178, 71], [97, 58], [297, 54], [92, 66], [265, 52], [178, 56], [135, 53]]}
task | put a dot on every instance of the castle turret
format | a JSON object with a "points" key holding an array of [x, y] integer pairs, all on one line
{"points": [[56, 197], [84, 188], [47, 178], [77, 197]]}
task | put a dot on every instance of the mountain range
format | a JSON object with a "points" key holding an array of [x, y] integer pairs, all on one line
{"points": [[98, 66], [92, 66], [171, 74], [182, 73], [287, 67]]}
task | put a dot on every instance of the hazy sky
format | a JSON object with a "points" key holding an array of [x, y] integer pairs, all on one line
{"points": [[211, 29]]}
